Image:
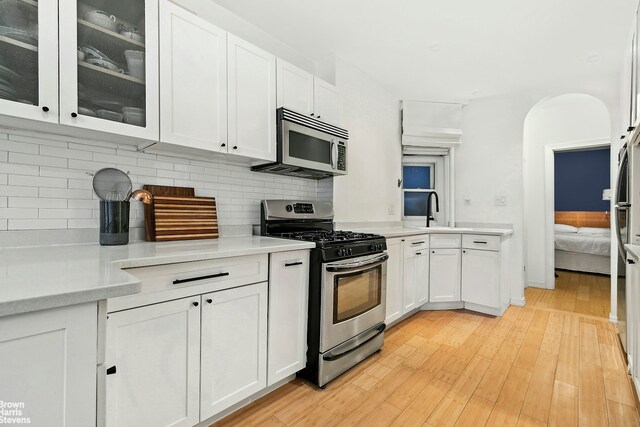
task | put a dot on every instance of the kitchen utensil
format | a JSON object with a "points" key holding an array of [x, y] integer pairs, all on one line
{"points": [[134, 116], [143, 196], [112, 185], [184, 218], [105, 63], [133, 35], [86, 112], [107, 104], [109, 115], [135, 63], [92, 52], [102, 19], [114, 222]]}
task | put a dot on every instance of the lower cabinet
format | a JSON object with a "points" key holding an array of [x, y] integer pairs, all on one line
{"points": [[49, 361], [444, 275], [179, 362], [234, 347], [415, 276], [481, 277], [395, 267], [153, 365], [288, 307]]}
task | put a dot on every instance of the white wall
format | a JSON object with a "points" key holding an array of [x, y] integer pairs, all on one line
{"points": [[372, 116], [564, 119], [489, 164]]}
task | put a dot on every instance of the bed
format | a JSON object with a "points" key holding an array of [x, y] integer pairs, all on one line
{"points": [[583, 242]]}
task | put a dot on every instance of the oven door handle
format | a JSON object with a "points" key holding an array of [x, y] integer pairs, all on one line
{"points": [[357, 265], [373, 333]]}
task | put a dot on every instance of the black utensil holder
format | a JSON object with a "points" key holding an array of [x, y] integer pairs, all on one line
{"points": [[114, 223]]}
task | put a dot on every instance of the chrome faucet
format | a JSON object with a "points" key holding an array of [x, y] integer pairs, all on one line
{"points": [[429, 217]]}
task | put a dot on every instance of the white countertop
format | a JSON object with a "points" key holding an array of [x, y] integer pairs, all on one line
{"points": [[633, 250], [390, 232], [37, 278]]}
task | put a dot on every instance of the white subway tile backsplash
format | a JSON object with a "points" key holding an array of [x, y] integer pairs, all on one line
{"points": [[44, 183], [37, 181], [32, 159]]}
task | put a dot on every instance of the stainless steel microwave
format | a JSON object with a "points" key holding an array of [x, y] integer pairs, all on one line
{"points": [[307, 147]]}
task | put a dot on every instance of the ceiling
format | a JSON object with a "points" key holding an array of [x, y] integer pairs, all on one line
{"points": [[457, 49]]}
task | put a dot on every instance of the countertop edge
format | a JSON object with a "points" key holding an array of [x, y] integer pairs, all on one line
{"points": [[409, 231]]}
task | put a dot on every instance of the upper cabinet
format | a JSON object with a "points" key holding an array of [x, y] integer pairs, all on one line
{"points": [[193, 80], [109, 66], [295, 88], [29, 59], [304, 93], [252, 99]]}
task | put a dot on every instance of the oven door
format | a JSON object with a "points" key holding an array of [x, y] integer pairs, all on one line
{"points": [[353, 298], [309, 148]]}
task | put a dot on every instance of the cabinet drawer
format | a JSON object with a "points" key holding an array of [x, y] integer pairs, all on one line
{"points": [[445, 241], [172, 281], [416, 242], [479, 241]]}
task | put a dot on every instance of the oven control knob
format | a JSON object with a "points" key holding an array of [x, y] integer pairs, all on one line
{"points": [[350, 251], [289, 208]]}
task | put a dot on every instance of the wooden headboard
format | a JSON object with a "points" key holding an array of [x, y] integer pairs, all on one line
{"points": [[584, 219]]}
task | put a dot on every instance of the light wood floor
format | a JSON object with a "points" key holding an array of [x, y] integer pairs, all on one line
{"points": [[582, 293], [531, 367]]}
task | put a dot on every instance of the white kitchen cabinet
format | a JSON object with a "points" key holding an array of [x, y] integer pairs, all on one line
{"points": [[193, 80], [327, 105], [444, 275], [153, 365], [481, 277], [29, 70], [49, 364], [295, 88], [416, 272], [122, 99], [251, 100], [288, 307], [394, 303], [234, 347]]}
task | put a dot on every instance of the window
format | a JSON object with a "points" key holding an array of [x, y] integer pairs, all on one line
{"points": [[418, 182], [422, 175]]}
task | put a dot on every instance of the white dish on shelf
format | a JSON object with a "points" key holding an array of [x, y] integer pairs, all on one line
{"points": [[86, 112], [132, 35], [135, 63], [134, 116], [28, 37], [109, 115], [6, 73], [102, 19], [104, 63], [108, 105], [92, 52]]}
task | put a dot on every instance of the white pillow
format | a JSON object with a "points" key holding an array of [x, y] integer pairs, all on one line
{"points": [[594, 231], [564, 228]]}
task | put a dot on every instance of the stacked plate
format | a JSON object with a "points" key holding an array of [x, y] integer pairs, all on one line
{"points": [[28, 37], [7, 77]]}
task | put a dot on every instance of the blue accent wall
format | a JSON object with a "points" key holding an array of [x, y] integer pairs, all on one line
{"points": [[580, 177]]}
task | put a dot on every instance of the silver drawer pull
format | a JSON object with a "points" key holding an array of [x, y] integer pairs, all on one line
{"points": [[193, 279], [480, 242]]}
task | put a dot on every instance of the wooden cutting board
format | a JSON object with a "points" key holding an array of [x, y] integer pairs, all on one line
{"points": [[176, 214]]}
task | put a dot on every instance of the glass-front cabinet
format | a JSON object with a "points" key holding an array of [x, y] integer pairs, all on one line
{"points": [[29, 59], [109, 66]]}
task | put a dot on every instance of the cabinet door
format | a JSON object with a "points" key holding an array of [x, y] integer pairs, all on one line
{"points": [[409, 281], [394, 280], [234, 347], [288, 306], [252, 100], [29, 60], [295, 88], [327, 103], [193, 80], [152, 361], [422, 277], [444, 275], [112, 85], [481, 277], [49, 365]]}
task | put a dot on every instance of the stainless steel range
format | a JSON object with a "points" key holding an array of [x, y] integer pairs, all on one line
{"points": [[347, 286]]}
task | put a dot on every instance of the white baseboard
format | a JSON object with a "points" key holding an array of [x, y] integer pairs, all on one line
{"points": [[541, 285], [612, 318], [443, 306], [518, 302]]}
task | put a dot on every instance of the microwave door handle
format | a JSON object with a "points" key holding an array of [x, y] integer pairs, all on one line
{"points": [[334, 154]]}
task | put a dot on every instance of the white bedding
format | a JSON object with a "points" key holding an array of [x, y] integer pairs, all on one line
{"points": [[583, 243]]}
